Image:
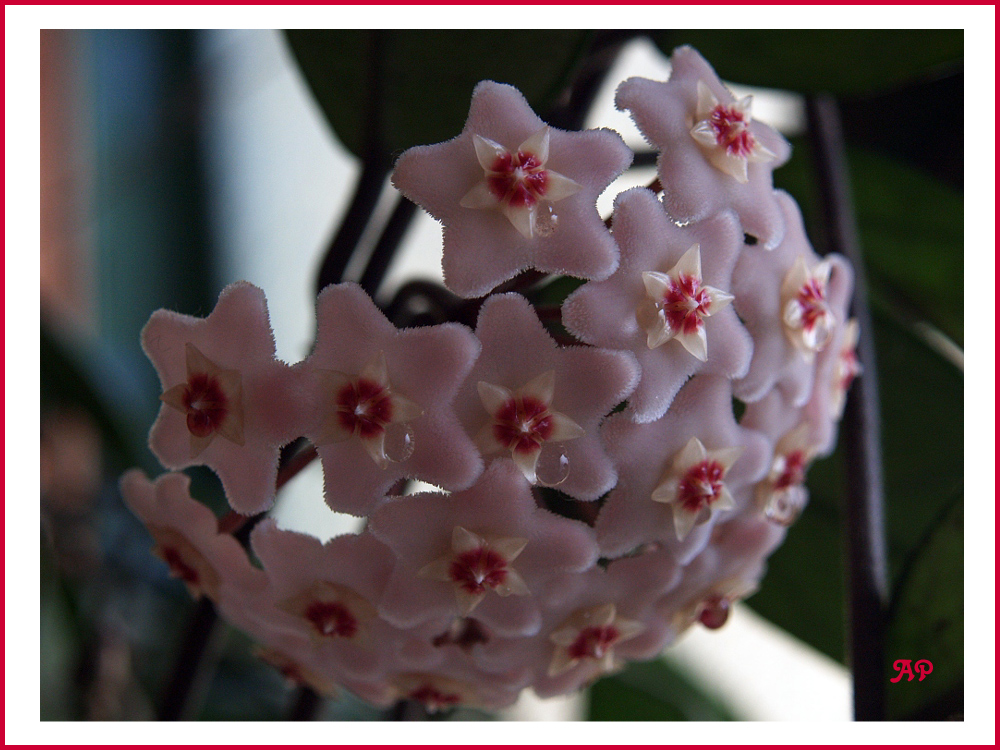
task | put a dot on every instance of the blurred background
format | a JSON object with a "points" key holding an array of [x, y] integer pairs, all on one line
{"points": [[176, 162]]}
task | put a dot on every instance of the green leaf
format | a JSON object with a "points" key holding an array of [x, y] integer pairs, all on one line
{"points": [[811, 60], [653, 691], [923, 440], [911, 226], [926, 622], [555, 292], [426, 77], [922, 444]]}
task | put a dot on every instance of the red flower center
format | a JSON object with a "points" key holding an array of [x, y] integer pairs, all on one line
{"points": [[332, 619], [435, 699], [523, 424], [684, 304], [178, 567], [364, 407], [593, 642], [812, 301], [793, 472], [701, 486], [518, 180], [730, 128], [205, 403], [478, 570]]}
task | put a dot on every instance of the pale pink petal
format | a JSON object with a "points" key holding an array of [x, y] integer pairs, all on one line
{"points": [[694, 188], [235, 337], [588, 384], [482, 248], [423, 368], [609, 313]]}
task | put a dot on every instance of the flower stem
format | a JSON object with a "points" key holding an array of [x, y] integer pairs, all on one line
{"points": [[306, 704], [866, 552], [388, 243], [195, 664]]}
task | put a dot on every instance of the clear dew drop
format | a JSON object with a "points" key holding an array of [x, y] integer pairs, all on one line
{"points": [[553, 466], [398, 441], [783, 508], [546, 221]]}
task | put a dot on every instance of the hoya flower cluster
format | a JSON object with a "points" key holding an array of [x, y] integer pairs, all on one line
{"points": [[711, 360]]}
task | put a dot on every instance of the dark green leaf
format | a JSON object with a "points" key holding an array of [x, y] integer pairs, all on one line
{"points": [[927, 623], [426, 77], [811, 60], [922, 435], [555, 292], [653, 691], [911, 227]]}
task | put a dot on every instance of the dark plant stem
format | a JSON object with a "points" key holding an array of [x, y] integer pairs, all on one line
{"points": [[374, 171], [575, 100], [407, 710], [388, 243], [194, 665], [866, 552], [359, 212], [291, 465], [306, 704]]}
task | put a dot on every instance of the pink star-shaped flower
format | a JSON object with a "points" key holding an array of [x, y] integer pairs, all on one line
{"points": [[383, 401], [227, 402], [187, 538], [712, 155], [775, 308], [539, 403], [836, 368], [506, 545], [591, 634], [725, 572], [695, 485], [782, 493], [325, 595], [650, 502], [667, 303], [585, 639], [515, 194]]}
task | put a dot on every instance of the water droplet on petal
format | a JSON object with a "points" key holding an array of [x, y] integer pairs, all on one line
{"points": [[398, 441], [546, 221], [714, 612], [553, 466], [784, 507]]}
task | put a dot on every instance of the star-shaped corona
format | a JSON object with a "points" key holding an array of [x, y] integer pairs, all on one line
{"points": [[694, 486], [677, 304], [723, 131], [362, 407], [846, 369], [477, 565], [332, 611], [211, 400], [591, 635], [522, 421], [519, 184], [782, 494], [805, 311]]}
